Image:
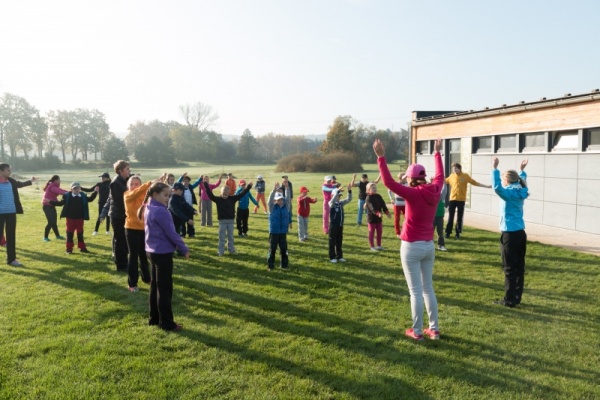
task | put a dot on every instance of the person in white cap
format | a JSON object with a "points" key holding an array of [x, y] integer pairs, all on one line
{"points": [[260, 187]]}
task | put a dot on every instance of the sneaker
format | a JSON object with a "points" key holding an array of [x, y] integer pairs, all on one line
{"points": [[373, 248], [69, 251], [46, 240], [84, 250], [60, 237], [411, 334], [442, 248], [504, 303], [457, 236], [341, 259], [270, 268], [333, 260], [447, 236], [107, 233], [178, 328], [15, 263], [220, 254], [284, 268], [241, 235], [398, 236], [233, 253], [134, 289], [379, 248], [433, 335], [94, 233]]}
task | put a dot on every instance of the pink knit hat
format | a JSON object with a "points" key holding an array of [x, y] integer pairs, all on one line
{"points": [[416, 171]]}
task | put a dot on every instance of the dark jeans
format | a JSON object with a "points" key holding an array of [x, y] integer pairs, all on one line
{"points": [[8, 224], [50, 212], [119, 243], [187, 229], [278, 239], [438, 225], [137, 250], [336, 235], [452, 206], [513, 246], [99, 221], [161, 291], [241, 220]]}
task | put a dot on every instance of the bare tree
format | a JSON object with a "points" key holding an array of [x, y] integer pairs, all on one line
{"points": [[199, 115]]}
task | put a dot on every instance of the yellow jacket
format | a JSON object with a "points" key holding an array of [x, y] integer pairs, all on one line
{"points": [[458, 185], [133, 201]]}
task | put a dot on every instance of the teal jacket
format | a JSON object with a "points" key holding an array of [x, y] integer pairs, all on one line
{"points": [[512, 198]]}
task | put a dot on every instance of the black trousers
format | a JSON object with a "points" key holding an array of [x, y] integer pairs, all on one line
{"points": [[119, 243], [454, 205], [161, 291], [275, 240], [8, 225], [241, 220], [98, 221], [513, 246], [188, 229], [336, 235], [137, 250], [51, 217]]}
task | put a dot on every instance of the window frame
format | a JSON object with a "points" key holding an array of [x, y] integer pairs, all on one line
{"points": [[512, 149], [477, 149], [555, 141], [534, 149]]}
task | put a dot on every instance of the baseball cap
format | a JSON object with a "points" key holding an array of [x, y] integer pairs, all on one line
{"points": [[303, 189], [284, 176], [259, 177], [75, 184], [278, 196], [178, 186], [328, 178], [416, 171], [104, 175], [242, 182]]}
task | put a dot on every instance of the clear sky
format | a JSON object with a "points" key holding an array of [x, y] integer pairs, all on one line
{"points": [[292, 66]]}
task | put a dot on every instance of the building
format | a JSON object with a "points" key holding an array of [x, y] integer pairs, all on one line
{"points": [[560, 137]]}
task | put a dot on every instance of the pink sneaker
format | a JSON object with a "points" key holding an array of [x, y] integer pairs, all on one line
{"points": [[433, 335], [411, 334]]}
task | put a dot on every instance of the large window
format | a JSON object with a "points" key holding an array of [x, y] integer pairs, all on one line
{"points": [[592, 139], [532, 142], [423, 147], [565, 141], [483, 144], [507, 143], [454, 151]]}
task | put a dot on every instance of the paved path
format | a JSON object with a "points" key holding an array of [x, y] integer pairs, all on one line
{"points": [[583, 242]]}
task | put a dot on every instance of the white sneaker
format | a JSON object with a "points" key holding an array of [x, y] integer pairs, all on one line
{"points": [[379, 248], [442, 248], [341, 259], [373, 248], [108, 232], [94, 233], [333, 260]]}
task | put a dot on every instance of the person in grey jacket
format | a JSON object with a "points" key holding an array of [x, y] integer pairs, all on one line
{"points": [[336, 223]]}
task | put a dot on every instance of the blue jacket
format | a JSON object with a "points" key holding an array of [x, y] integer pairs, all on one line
{"points": [[512, 198], [245, 200], [279, 217]]}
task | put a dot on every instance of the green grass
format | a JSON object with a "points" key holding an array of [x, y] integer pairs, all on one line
{"points": [[70, 329]]}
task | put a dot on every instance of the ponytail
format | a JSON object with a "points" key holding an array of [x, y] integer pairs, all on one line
{"points": [[156, 187], [52, 179]]}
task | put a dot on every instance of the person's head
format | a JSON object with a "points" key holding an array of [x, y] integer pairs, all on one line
{"points": [[5, 170], [285, 178], [75, 188], [416, 175], [158, 191], [278, 199], [456, 168], [170, 179], [303, 191], [134, 182], [186, 181], [242, 183], [365, 178], [372, 188], [333, 179], [122, 168], [230, 176], [206, 178], [54, 179], [225, 192], [259, 177], [512, 176], [178, 188], [328, 179], [105, 177]]}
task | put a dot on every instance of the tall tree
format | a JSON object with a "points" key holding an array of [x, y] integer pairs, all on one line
{"points": [[198, 115], [16, 121], [142, 132], [39, 133], [339, 136], [247, 146], [115, 149], [59, 122]]}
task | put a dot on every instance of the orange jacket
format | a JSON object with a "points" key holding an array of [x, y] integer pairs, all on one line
{"points": [[133, 201]]}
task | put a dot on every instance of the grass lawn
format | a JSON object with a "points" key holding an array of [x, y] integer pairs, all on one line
{"points": [[69, 328]]}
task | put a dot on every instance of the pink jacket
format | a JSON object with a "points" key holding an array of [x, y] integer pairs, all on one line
{"points": [[51, 193], [421, 201], [203, 194]]}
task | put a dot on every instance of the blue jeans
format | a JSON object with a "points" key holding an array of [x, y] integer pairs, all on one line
{"points": [[361, 211]]}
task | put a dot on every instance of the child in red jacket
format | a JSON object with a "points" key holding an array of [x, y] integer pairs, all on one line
{"points": [[303, 212]]}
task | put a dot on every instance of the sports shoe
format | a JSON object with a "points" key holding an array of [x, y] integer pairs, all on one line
{"points": [[447, 236], [373, 248], [94, 233], [379, 248], [341, 259], [398, 236], [334, 260], [457, 236], [442, 248], [69, 251], [107, 233], [220, 254], [241, 235], [433, 335], [60, 237], [15, 263], [46, 240], [411, 334], [504, 303], [84, 250], [134, 289], [177, 328]]}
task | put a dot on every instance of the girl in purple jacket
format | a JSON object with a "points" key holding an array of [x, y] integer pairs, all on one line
{"points": [[161, 241]]}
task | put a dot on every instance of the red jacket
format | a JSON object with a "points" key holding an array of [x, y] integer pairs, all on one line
{"points": [[304, 205]]}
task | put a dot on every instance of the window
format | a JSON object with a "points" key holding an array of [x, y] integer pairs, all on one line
{"points": [[423, 147], [482, 144], [533, 142], [592, 139], [565, 141], [454, 151], [507, 143]]}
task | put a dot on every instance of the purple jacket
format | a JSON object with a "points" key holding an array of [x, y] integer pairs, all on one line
{"points": [[159, 229]]}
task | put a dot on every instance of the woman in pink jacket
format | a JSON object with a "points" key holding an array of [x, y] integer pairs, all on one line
{"points": [[51, 192], [417, 251]]}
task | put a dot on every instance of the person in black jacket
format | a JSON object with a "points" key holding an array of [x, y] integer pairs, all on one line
{"points": [[118, 186], [76, 210], [103, 193], [226, 214], [10, 206], [180, 209]]}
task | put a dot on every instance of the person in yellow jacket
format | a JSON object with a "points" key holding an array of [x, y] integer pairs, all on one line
{"points": [[458, 181], [134, 230]]}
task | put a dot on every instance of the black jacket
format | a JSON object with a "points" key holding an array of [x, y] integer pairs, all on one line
{"points": [[103, 192], [180, 209], [15, 186], [226, 207], [118, 187]]}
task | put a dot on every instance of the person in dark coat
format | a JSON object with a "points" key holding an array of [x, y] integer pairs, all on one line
{"points": [[103, 193]]}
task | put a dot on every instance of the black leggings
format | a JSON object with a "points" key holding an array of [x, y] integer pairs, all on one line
{"points": [[50, 212]]}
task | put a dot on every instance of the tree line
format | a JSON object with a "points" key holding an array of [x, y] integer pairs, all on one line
{"points": [[84, 135]]}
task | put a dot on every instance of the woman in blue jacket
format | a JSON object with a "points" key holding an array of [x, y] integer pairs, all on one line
{"points": [[512, 190]]}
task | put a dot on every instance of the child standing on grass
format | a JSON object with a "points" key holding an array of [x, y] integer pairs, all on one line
{"points": [[438, 222], [336, 224], [260, 187], [205, 201], [190, 198], [76, 210], [161, 240], [399, 205], [181, 211], [243, 212], [279, 221], [375, 206], [103, 193], [303, 212], [51, 192], [327, 189], [226, 215]]}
